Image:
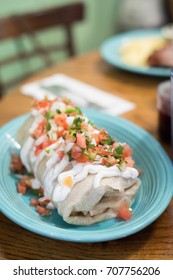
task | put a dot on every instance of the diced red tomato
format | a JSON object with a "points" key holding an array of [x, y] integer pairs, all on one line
{"points": [[59, 118], [43, 211], [61, 122], [61, 132], [124, 213], [67, 101], [34, 202], [104, 160], [82, 159], [81, 140], [60, 154], [37, 151], [23, 184], [127, 152], [104, 152], [103, 134], [112, 161], [84, 126], [16, 165], [47, 142], [129, 161], [65, 125], [69, 138], [76, 151], [43, 104], [44, 202], [40, 129], [41, 190], [21, 188]]}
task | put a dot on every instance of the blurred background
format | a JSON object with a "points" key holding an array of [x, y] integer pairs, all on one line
{"points": [[101, 20], [98, 24]]}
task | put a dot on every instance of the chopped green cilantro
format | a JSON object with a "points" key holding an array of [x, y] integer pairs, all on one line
{"points": [[49, 115], [85, 152], [69, 155], [72, 110], [107, 164], [108, 141], [58, 111], [77, 123], [48, 126], [72, 132], [92, 156], [118, 154], [119, 149]]}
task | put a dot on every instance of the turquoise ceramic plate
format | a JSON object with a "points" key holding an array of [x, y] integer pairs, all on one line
{"points": [[110, 51], [153, 197]]}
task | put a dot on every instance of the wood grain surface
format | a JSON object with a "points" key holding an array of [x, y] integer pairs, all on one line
{"points": [[155, 241]]}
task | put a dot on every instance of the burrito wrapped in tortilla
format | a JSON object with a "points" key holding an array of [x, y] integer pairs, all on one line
{"points": [[84, 173]]}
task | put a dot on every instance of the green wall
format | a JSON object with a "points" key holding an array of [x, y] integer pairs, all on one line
{"points": [[98, 24]]}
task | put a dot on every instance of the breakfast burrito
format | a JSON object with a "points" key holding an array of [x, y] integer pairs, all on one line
{"points": [[82, 171]]}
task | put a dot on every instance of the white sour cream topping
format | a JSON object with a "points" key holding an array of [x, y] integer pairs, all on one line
{"points": [[60, 193], [80, 171], [52, 160], [37, 160], [52, 174]]}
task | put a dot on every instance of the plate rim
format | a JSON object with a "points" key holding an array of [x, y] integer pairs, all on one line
{"points": [[116, 60], [91, 236]]}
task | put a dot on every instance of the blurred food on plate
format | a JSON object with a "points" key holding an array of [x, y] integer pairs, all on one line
{"points": [[162, 57], [136, 52]]}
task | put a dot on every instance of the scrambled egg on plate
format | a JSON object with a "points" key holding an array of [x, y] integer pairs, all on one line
{"points": [[136, 52]]}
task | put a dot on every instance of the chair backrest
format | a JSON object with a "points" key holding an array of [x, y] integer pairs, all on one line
{"points": [[9, 28], [32, 23]]}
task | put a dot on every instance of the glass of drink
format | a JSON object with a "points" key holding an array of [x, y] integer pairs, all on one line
{"points": [[164, 110]]}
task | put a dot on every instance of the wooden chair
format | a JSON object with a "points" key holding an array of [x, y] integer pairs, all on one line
{"points": [[9, 29], [32, 23]]}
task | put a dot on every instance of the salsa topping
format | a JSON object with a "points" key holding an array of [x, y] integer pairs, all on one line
{"points": [[89, 144]]}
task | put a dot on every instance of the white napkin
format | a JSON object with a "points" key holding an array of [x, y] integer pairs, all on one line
{"points": [[83, 95]]}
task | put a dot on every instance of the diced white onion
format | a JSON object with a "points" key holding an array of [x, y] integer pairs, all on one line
{"points": [[53, 125], [68, 147], [93, 142], [70, 120], [40, 140]]}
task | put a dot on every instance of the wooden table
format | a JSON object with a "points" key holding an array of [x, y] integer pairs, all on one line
{"points": [[155, 241]]}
